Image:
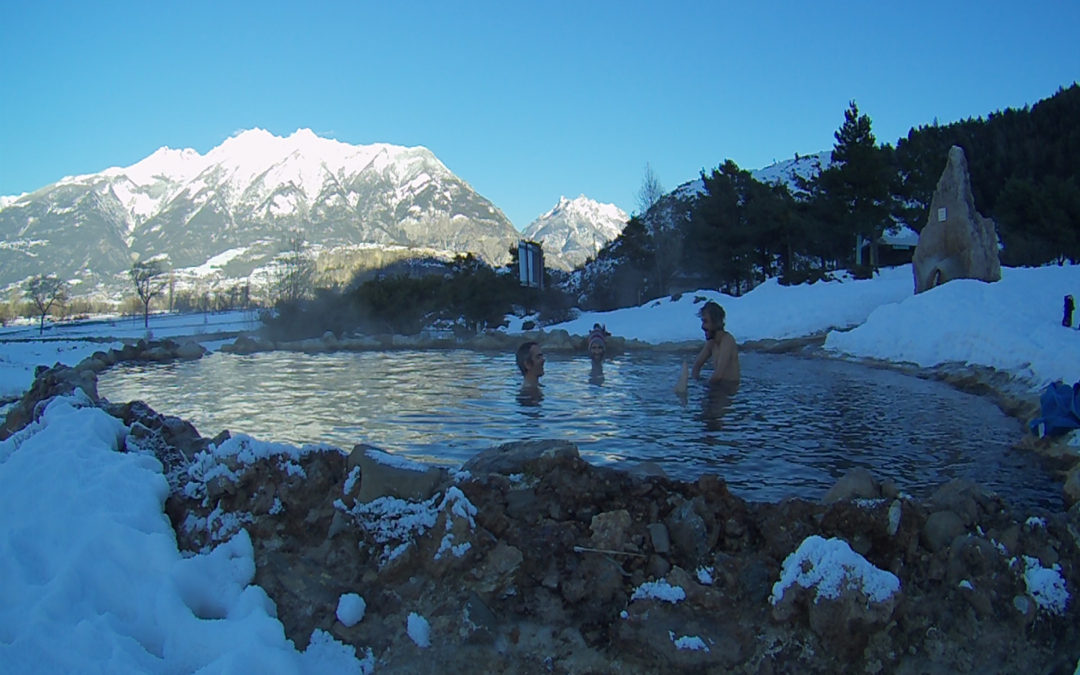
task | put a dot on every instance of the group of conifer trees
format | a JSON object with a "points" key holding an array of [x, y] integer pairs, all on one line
{"points": [[739, 231]]}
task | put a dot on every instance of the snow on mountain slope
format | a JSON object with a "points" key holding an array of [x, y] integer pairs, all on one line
{"points": [[575, 229], [246, 194]]}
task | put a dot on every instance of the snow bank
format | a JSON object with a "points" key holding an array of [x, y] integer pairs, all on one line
{"points": [[1012, 325], [92, 574]]}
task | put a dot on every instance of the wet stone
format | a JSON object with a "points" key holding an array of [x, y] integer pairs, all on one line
{"points": [[610, 530], [658, 535], [940, 529]]}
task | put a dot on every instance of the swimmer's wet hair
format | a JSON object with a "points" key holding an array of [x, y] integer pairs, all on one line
{"points": [[714, 311], [523, 355]]}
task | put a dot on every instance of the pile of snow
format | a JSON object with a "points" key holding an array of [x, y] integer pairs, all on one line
{"points": [[768, 311], [419, 630], [395, 524], [351, 608], [691, 642], [1012, 325], [1045, 585], [92, 574], [829, 566]]}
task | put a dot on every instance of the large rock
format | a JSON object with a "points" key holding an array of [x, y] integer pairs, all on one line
{"points": [[844, 596], [858, 483], [519, 457], [384, 475], [957, 242]]}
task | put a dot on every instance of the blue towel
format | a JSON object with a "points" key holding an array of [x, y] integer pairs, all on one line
{"points": [[1060, 410]]}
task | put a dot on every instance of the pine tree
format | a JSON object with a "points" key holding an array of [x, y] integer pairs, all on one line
{"points": [[856, 185]]}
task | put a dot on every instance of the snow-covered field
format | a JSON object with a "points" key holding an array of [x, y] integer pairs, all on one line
{"points": [[22, 347], [1013, 325], [92, 578]]}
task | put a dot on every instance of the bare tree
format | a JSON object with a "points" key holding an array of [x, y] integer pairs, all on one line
{"points": [[295, 269], [43, 291], [150, 282], [650, 191]]}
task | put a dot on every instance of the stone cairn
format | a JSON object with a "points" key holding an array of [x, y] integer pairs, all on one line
{"points": [[957, 242]]}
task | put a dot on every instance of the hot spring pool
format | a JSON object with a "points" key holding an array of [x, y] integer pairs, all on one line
{"points": [[796, 425]]}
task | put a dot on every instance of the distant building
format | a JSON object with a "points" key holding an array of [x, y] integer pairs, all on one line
{"points": [[894, 247], [531, 264]]}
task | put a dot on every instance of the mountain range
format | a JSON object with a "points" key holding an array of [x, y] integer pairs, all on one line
{"points": [[223, 217]]}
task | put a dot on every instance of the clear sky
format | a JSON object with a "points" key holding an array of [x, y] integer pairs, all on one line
{"points": [[526, 101]]}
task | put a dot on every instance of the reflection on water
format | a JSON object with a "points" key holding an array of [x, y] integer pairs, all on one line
{"points": [[794, 427]]}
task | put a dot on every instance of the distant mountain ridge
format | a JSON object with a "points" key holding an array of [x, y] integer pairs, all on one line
{"points": [[574, 230], [225, 214], [783, 172]]}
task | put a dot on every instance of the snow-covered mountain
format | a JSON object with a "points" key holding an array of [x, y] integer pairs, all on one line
{"points": [[804, 166], [575, 229], [226, 214]]}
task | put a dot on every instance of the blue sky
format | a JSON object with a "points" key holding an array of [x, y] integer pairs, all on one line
{"points": [[526, 101]]}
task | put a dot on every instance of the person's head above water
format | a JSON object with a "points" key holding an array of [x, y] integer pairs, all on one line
{"points": [[596, 342], [712, 319], [530, 361]]}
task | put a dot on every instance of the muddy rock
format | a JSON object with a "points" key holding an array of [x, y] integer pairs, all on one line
{"points": [[940, 530], [382, 475], [521, 457], [855, 484], [247, 344], [190, 351], [610, 530], [688, 531], [658, 536], [60, 380], [1071, 488], [967, 500], [844, 597]]}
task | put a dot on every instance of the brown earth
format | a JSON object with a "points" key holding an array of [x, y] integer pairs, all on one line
{"points": [[546, 554]]}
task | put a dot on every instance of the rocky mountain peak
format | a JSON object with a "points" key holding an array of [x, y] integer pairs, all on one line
{"points": [[575, 229]]}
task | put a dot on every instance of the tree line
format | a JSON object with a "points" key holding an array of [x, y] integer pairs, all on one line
{"points": [[738, 231], [464, 296]]}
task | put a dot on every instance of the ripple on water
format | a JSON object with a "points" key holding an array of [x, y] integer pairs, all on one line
{"points": [[795, 426]]}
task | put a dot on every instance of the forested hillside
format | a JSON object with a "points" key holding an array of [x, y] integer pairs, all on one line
{"points": [[737, 231]]}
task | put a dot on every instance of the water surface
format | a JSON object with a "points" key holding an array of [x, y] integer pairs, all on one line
{"points": [[796, 425]]}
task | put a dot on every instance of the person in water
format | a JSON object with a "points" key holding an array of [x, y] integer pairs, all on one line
{"points": [[720, 350], [530, 360], [597, 345]]}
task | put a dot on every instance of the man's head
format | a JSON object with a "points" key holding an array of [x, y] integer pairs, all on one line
{"points": [[530, 359], [712, 319]]}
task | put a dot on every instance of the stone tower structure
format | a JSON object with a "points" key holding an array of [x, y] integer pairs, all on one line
{"points": [[957, 242]]}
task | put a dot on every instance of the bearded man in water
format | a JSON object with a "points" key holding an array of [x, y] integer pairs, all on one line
{"points": [[719, 349]]}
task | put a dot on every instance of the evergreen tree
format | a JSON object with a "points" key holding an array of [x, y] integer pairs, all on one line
{"points": [[856, 186]]}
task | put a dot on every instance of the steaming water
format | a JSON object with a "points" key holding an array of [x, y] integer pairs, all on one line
{"points": [[796, 425]]}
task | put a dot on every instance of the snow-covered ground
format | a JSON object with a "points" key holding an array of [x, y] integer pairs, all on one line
{"points": [[1013, 325], [23, 347], [92, 578]]}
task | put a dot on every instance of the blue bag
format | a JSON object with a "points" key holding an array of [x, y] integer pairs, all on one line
{"points": [[1060, 410]]}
